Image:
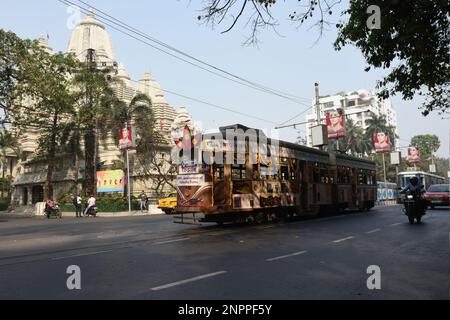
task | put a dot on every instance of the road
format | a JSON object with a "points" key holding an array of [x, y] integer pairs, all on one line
{"points": [[149, 257]]}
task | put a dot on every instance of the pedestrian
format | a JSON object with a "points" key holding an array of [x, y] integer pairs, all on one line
{"points": [[77, 203], [143, 200]]}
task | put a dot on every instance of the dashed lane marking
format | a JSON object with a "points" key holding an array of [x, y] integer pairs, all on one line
{"points": [[81, 255], [173, 284], [343, 239], [170, 241], [373, 231], [287, 256], [395, 224]]}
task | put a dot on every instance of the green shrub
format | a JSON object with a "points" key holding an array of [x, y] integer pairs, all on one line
{"points": [[4, 203], [108, 202]]}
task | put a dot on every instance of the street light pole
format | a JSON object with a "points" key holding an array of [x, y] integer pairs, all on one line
{"points": [[128, 182]]}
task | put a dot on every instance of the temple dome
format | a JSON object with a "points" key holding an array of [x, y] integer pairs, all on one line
{"points": [[182, 119], [122, 72], [91, 34]]}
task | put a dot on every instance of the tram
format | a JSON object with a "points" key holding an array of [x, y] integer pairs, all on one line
{"points": [[267, 179]]}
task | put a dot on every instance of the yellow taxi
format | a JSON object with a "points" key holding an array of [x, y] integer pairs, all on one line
{"points": [[168, 204]]}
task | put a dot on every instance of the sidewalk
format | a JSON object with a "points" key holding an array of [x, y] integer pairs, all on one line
{"points": [[118, 214], [29, 212]]}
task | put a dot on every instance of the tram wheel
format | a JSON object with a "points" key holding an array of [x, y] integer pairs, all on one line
{"points": [[273, 217], [250, 220], [260, 218]]}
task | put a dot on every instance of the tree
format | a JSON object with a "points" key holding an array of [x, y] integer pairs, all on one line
{"points": [[427, 145], [13, 52], [442, 166], [377, 123], [8, 142], [152, 153], [45, 103], [412, 42], [96, 102], [353, 142]]}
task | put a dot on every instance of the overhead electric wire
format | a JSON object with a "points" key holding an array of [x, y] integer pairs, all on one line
{"points": [[190, 56], [239, 80], [206, 103], [178, 94]]}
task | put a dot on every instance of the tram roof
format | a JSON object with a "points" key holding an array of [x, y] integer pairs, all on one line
{"points": [[343, 158]]}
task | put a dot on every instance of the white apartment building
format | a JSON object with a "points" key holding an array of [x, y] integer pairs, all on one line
{"points": [[358, 105]]}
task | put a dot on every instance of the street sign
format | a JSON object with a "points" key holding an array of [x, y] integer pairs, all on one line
{"points": [[395, 157], [432, 168]]}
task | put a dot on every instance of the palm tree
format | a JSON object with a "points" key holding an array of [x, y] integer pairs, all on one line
{"points": [[353, 142], [7, 142], [376, 124]]}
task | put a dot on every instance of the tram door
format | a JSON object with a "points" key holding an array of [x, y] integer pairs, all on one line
{"points": [[304, 177], [222, 183]]}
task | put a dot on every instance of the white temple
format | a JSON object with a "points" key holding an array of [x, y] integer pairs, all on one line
{"points": [[91, 34]]}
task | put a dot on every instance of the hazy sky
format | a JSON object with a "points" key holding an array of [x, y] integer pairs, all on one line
{"points": [[290, 62]]}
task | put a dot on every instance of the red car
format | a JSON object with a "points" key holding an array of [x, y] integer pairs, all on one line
{"points": [[438, 195]]}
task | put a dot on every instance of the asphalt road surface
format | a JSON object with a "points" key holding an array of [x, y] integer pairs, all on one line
{"points": [[149, 257]]}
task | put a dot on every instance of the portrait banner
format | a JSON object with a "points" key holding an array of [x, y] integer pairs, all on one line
{"points": [[382, 142], [335, 124]]}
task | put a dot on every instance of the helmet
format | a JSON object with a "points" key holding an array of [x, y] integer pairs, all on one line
{"points": [[414, 180]]}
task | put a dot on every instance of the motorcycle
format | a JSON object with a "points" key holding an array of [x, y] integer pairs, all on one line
{"points": [[92, 211], [414, 208], [53, 212]]}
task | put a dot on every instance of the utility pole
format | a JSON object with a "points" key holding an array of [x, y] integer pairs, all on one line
{"points": [[384, 174], [316, 87]]}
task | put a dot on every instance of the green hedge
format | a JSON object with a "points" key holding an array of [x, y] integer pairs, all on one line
{"points": [[107, 203], [4, 203]]}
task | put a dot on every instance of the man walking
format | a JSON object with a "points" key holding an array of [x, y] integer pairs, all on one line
{"points": [[77, 204], [143, 200]]}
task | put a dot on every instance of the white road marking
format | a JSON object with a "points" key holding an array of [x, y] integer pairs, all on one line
{"points": [[373, 231], [395, 224], [265, 227], [343, 239], [173, 284], [170, 241], [220, 233], [287, 256], [81, 255]]}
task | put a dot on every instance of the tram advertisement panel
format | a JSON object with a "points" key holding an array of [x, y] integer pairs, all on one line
{"points": [[194, 190], [187, 167], [335, 124], [382, 142]]}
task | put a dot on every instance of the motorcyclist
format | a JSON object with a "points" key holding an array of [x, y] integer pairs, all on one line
{"points": [[90, 204], [414, 186], [416, 189], [50, 205]]}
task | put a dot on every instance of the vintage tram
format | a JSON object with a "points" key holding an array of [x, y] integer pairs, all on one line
{"points": [[273, 180]]}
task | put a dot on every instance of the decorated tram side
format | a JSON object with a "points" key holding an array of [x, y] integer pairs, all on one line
{"points": [[245, 176]]}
